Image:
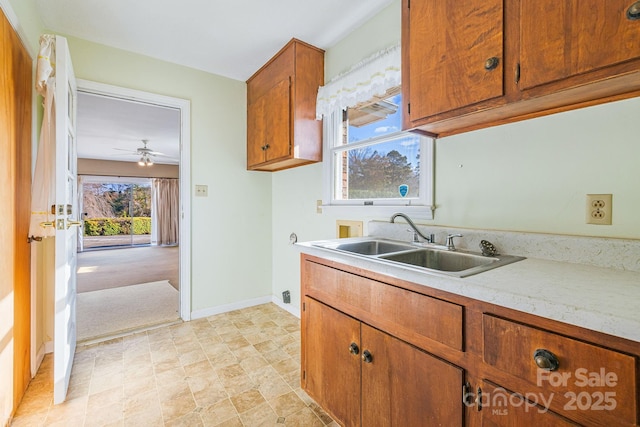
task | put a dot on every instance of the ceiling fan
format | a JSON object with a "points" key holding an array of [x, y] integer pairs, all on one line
{"points": [[146, 154]]}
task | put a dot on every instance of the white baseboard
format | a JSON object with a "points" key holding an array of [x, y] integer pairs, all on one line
{"points": [[211, 311], [293, 309], [48, 347]]}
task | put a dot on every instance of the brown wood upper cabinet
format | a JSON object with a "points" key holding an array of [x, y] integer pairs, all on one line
{"points": [[282, 131], [469, 65]]}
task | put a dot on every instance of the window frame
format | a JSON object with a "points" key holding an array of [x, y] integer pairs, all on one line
{"points": [[421, 208]]}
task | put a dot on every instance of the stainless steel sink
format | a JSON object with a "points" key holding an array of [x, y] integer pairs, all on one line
{"points": [[369, 247], [428, 258], [441, 260]]}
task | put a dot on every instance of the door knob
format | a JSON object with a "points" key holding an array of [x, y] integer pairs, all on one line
{"points": [[633, 13], [491, 63], [353, 348], [73, 223]]}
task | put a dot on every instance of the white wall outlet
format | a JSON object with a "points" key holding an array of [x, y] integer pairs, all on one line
{"points": [[599, 209], [202, 190]]}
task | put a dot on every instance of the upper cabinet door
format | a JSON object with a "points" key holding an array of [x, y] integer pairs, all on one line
{"points": [[278, 121], [456, 54], [574, 37]]}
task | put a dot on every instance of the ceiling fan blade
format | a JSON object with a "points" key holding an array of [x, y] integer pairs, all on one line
{"points": [[124, 149]]}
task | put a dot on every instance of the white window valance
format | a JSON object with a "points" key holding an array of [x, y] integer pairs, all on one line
{"points": [[370, 77]]}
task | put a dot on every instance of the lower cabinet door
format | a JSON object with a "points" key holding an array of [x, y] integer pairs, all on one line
{"points": [[502, 408], [404, 386], [331, 361]]}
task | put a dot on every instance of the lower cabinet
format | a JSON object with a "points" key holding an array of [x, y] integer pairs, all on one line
{"points": [[379, 351], [365, 377]]}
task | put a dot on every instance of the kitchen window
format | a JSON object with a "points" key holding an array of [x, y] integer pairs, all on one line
{"points": [[372, 164]]}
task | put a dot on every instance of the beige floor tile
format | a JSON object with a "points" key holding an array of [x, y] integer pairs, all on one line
{"points": [[151, 416], [192, 419], [105, 415], [105, 398], [144, 403], [177, 405], [207, 389], [68, 411], [304, 417], [247, 400], [233, 422], [287, 404], [219, 412], [258, 416]]}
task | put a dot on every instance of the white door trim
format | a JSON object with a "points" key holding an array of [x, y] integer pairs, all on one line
{"points": [[184, 106]]}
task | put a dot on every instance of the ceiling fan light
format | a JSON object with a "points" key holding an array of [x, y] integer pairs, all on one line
{"points": [[142, 162], [149, 161]]}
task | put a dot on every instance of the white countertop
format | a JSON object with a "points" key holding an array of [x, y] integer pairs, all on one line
{"points": [[601, 299]]}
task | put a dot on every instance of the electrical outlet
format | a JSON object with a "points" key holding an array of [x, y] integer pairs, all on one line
{"points": [[599, 209], [202, 190]]}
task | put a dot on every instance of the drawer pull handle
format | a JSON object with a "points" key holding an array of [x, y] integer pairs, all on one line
{"points": [[633, 13], [367, 357], [491, 63], [545, 360], [353, 348]]}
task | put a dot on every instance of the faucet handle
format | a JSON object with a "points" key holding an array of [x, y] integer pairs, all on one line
{"points": [[416, 239], [450, 245]]}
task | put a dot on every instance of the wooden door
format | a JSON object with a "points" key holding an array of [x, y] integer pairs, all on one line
{"points": [[269, 125], [15, 191], [565, 38], [404, 386], [331, 365], [67, 221], [278, 121], [449, 46]]}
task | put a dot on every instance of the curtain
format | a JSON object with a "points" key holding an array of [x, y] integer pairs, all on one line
{"points": [[372, 76], [165, 211], [43, 187]]}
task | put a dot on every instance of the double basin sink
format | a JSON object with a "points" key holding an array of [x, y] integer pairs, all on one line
{"points": [[430, 258]]}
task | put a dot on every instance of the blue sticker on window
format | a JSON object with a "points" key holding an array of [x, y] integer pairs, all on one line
{"points": [[403, 190]]}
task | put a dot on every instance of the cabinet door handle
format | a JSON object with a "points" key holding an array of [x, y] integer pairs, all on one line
{"points": [[633, 13], [491, 63], [479, 399], [546, 360], [353, 348], [367, 357], [266, 147]]}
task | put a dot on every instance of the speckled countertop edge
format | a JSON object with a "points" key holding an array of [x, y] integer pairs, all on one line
{"points": [[601, 299]]}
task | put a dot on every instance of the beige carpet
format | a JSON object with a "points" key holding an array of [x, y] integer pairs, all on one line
{"points": [[111, 311], [112, 268]]}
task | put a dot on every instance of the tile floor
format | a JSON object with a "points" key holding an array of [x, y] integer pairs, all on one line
{"points": [[234, 369]]}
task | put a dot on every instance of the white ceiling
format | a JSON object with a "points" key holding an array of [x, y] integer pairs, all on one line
{"points": [[112, 129], [231, 38]]}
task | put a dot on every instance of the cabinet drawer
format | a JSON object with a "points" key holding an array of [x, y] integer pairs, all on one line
{"points": [[587, 377], [408, 315]]}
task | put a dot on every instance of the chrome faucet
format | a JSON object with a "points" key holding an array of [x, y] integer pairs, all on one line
{"points": [[416, 232]]}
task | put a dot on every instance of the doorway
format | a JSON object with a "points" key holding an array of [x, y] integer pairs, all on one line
{"points": [[118, 238]]}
